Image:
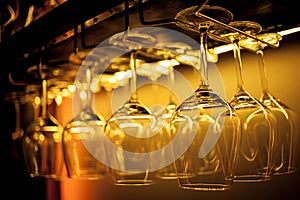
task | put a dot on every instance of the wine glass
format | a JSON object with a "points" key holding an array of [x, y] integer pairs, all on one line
{"points": [[207, 125], [254, 162], [132, 123], [18, 133], [42, 146], [285, 150], [166, 112], [17, 98], [84, 132]]}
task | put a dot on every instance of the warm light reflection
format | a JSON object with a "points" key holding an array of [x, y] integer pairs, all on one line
{"points": [[168, 63], [71, 88], [289, 31], [80, 130], [50, 128], [51, 95], [58, 99], [65, 92], [37, 100], [94, 87], [222, 49], [229, 47], [40, 137], [190, 59], [83, 95], [56, 137]]}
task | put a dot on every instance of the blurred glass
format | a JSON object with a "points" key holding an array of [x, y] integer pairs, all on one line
{"points": [[84, 132], [42, 146], [207, 125], [285, 150], [131, 126], [254, 162]]}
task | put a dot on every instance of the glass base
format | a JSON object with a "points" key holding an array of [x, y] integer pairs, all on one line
{"points": [[167, 176], [52, 176], [134, 182], [205, 187], [87, 177], [32, 175], [251, 178], [48, 176], [284, 170]]}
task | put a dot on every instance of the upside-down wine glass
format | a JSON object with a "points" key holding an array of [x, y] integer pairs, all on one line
{"points": [[84, 132], [42, 143], [131, 126], [164, 62], [167, 172], [17, 135], [207, 125], [285, 151], [179, 53], [254, 162], [17, 98]]}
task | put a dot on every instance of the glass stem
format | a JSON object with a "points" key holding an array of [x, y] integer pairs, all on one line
{"points": [[36, 106], [203, 58], [18, 130], [238, 63], [133, 97], [18, 116], [87, 89], [44, 98], [262, 70]]}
